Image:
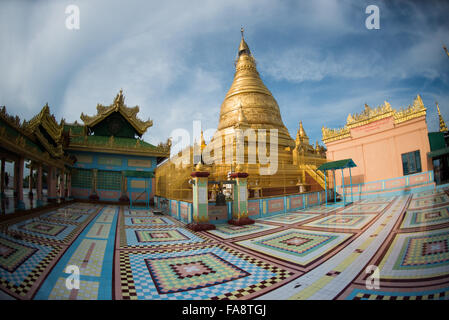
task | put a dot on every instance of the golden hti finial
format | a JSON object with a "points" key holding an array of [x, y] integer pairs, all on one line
{"points": [[443, 127], [241, 31]]}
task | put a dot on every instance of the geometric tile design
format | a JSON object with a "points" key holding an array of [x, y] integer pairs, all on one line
{"points": [[183, 273], [376, 200], [227, 231], [153, 221], [317, 209], [45, 230], [417, 255], [428, 202], [298, 246], [240, 274], [426, 217], [344, 221], [425, 251], [88, 290], [363, 294], [365, 208], [138, 213], [290, 218], [13, 254], [23, 263], [68, 217], [99, 230], [161, 237], [89, 257]]}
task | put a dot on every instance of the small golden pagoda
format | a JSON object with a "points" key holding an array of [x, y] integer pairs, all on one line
{"points": [[249, 104]]}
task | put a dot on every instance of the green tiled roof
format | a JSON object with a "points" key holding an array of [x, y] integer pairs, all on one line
{"points": [[339, 164], [77, 129]]}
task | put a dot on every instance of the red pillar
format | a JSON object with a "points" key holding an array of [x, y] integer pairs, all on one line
{"points": [[51, 184]]}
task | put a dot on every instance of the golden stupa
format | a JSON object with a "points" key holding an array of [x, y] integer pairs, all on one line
{"points": [[249, 104]]}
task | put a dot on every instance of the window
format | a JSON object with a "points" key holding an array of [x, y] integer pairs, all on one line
{"points": [[411, 162]]}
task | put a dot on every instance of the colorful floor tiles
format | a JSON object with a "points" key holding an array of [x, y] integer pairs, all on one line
{"points": [[227, 231], [342, 221], [417, 255], [290, 218], [299, 246], [317, 209], [161, 237], [427, 217], [22, 264], [56, 231], [212, 272], [365, 208], [429, 202], [151, 221], [317, 253]]}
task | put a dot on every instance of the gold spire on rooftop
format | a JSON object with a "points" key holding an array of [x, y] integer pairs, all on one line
{"points": [[249, 96], [443, 127]]}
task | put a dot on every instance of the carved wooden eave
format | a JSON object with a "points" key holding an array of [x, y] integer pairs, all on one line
{"points": [[47, 121], [130, 114], [370, 115]]}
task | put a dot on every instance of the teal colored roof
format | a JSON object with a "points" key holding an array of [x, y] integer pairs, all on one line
{"points": [[437, 153], [139, 174], [339, 164], [436, 140]]}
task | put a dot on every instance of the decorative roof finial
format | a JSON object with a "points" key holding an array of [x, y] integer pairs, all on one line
{"points": [[443, 127], [242, 30]]}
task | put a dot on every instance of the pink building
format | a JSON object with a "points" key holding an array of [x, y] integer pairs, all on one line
{"points": [[383, 142]]}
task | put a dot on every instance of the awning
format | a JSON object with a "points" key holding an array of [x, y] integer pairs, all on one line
{"points": [[437, 153], [436, 141], [339, 164], [139, 174]]}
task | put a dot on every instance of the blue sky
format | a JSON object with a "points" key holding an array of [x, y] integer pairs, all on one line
{"points": [[175, 59]]}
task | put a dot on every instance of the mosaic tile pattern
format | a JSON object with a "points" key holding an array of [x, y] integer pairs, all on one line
{"points": [[290, 218], [376, 200], [161, 237], [428, 217], [148, 275], [22, 263], [88, 290], [317, 209], [73, 216], [365, 208], [227, 231], [417, 255], [152, 221], [429, 202], [342, 221], [56, 231], [363, 294], [298, 246]]}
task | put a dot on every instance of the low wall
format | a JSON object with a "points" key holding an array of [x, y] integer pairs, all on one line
{"points": [[257, 208], [390, 187]]}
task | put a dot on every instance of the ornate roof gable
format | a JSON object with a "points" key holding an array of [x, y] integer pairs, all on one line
{"points": [[54, 130], [130, 114]]}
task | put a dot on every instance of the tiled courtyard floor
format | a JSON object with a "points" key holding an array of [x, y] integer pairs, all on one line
{"points": [[310, 254]]}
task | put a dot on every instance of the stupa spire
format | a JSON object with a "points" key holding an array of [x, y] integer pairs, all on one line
{"points": [[443, 127]]}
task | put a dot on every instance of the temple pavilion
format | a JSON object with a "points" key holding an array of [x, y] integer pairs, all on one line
{"points": [[103, 159]]}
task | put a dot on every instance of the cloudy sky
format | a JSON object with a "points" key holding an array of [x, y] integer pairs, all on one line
{"points": [[175, 59]]}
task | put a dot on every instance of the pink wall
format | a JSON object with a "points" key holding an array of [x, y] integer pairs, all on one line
{"points": [[376, 149]]}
